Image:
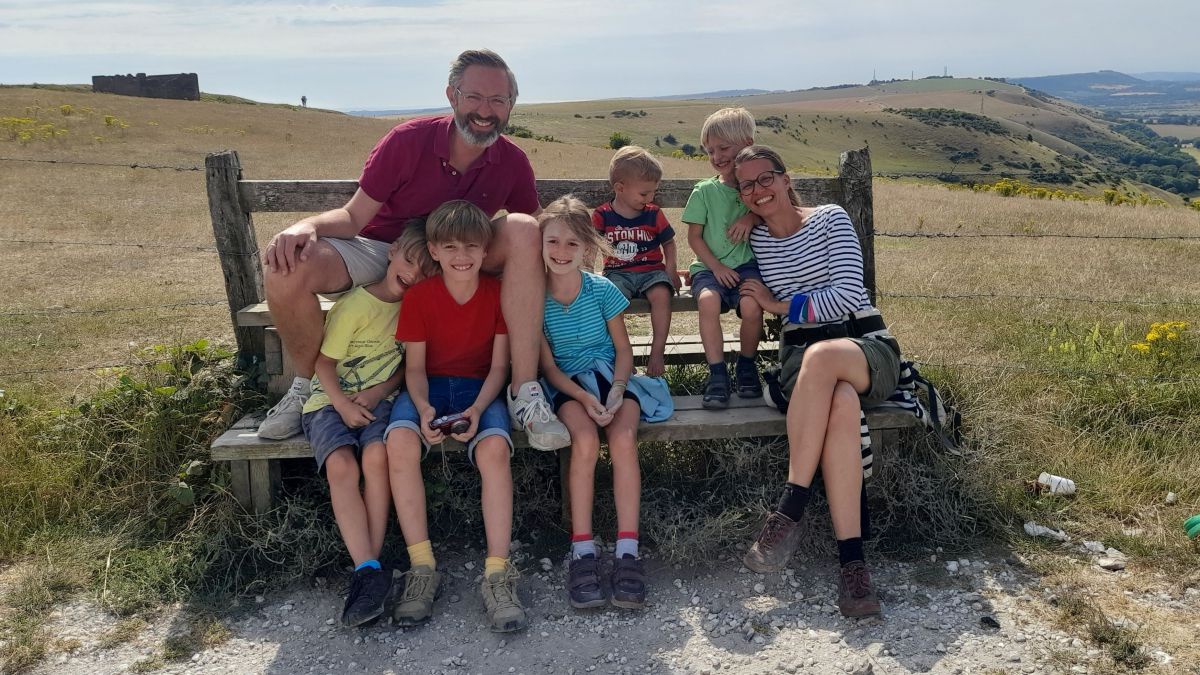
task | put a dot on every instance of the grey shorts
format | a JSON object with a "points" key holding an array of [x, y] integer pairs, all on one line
{"points": [[325, 432], [366, 259], [635, 284], [882, 361]]}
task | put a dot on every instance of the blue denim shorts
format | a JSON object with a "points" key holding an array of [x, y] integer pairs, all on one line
{"points": [[730, 297], [636, 284], [325, 431], [449, 395]]}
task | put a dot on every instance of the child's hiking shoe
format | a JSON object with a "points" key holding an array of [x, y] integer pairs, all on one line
{"points": [[585, 588], [369, 591], [531, 413], [283, 419], [504, 609], [856, 598], [775, 544], [716, 390], [628, 583], [746, 379], [421, 586]]}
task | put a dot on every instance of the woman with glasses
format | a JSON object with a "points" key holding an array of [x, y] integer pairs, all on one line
{"points": [[836, 356]]}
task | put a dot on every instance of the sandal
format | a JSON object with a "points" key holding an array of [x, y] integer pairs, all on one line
{"points": [[716, 392], [628, 583], [746, 374], [584, 586]]}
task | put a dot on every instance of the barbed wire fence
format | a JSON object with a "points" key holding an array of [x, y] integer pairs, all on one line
{"points": [[55, 311]]}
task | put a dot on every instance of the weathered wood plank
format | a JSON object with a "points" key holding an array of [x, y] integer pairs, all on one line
{"points": [[744, 418], [239, 481], [305, 196], [261, 487], [237, 248], [854, 173]]}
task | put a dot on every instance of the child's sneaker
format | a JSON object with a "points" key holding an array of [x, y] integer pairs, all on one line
{"points": [[746, 379], [529, 412], [856, 598], [585, 588], [716, 389], [283, 419], [504, 609], [369, 590], [628, 583], [421, 584], [775, 544]]}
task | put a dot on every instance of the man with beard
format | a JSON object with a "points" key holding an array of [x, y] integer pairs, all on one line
{"points": [[416, 167]]}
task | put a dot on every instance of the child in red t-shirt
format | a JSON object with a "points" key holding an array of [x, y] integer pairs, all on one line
{"points": [[456, 356]]}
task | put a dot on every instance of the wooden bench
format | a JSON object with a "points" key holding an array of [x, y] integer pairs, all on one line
{"points": [[254, 462]]}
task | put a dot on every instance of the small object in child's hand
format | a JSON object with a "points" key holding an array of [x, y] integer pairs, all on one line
{"points": [[451, 424]]}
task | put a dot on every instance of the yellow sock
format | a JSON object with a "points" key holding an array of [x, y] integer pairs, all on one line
{"points": [[494, 564], [421, 553]]}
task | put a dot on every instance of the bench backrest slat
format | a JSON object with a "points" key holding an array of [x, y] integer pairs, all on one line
{"points": [[232, 200]]}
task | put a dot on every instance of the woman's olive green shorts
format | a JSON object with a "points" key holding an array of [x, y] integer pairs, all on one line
{"points": [[883, 362]]}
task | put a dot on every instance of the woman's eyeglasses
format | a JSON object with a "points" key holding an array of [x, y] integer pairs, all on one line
{"points": [[765, 179]]}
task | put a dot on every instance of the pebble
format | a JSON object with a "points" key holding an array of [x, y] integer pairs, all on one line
{"points": [[759, 588]]}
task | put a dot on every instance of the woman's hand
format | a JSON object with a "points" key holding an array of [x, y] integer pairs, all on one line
{"points": [[757, 290]]}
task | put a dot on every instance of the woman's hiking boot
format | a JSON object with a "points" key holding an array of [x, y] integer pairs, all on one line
{"points": [[504, 609], [421, 586], [369, 591], [585, 587], [775, 544], [628, 583], [716, 389], [856, 597]]}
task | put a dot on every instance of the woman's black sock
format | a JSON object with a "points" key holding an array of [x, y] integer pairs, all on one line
{"points": [[793, 501], [850, 550]]}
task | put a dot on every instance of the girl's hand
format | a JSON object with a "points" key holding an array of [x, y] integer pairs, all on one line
{"points": [[472, 415], [596, 410], [433, 436], [615, 396]]}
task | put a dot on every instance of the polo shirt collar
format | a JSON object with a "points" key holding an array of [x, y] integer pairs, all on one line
{"points": [[441, 144]]}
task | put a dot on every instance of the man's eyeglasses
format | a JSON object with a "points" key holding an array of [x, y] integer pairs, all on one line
{"points": [[764, 180], [476, 100]]}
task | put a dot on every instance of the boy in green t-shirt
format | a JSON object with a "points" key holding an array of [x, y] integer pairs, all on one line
{"points": [[357, 374], [718, 233]]}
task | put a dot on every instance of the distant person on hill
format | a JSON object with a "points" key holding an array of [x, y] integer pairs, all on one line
{"points": [[836, 356], [304, 101], [642, 261], [416, 167]]}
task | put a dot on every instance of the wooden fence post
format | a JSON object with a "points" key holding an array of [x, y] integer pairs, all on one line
{"points": [[854, 171], [237, 248]]}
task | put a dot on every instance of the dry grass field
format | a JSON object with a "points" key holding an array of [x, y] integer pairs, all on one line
{"points": [[101, 261], [1183, 132]]}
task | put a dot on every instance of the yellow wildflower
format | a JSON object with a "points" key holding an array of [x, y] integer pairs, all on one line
{"points": [[1143, 347]]}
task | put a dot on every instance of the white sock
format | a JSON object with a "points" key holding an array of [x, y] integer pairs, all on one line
{"points": [[626, 546], [582, 548]]}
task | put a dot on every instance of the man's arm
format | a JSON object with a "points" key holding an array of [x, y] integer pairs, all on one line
{"points": [[291, 246]]}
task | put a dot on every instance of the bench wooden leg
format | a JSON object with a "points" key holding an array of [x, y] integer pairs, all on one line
{"points": [[264, 476], [564, 475], [239, 483]]}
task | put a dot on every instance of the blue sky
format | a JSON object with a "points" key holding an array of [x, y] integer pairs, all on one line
{"points": [[376, 55]]}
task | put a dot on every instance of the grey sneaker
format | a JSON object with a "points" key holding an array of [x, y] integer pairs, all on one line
{"points": [[283, 419], [775, 544], [504, 609], [421, 584], [529, 412]]}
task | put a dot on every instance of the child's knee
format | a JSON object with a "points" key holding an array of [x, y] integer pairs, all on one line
{"points": [[492, 454], [374, 459], [403, 447], [658, 295], [341, 466], [750, 309]]}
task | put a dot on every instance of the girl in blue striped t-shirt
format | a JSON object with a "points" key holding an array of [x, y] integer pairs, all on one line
{"points": [[588, 362]]}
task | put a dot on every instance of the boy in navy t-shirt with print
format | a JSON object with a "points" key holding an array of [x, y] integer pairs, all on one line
{"points": [[643, 243]]}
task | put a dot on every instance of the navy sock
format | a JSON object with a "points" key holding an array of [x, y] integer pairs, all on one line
{"points": [[719, 370], [850, 550], [793, 500], [372, 563]]}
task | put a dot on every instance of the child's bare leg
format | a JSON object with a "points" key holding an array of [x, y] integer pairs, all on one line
{"points": [[491, 456], [751, 328], [408, 487], [585, 450], [627, 477], [377, 494], [660, 323], [708, 306], [341, 470]]}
